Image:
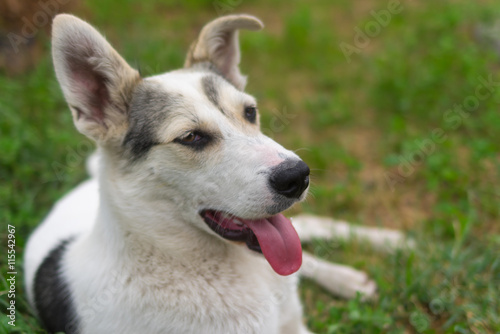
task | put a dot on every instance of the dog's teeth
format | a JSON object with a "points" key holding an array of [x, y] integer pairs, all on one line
{"points": [[237, 222]]}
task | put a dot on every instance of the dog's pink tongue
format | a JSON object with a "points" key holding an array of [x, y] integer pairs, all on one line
{"points": [[279, 242]]}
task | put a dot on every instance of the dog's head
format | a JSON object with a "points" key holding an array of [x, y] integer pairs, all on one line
{"points": [[189, 138]]}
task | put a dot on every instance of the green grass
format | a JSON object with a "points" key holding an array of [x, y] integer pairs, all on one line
{"points": [[355, 123]]}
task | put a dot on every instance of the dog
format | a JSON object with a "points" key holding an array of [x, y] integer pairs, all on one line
{"points": [[179, 229]]}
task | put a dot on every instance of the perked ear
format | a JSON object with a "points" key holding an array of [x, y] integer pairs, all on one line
{"points": [[218, 44], [97, 83]]}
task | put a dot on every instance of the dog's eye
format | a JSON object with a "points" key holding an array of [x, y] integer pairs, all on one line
{"points": [[191, 137], [194, 139], [251, 113]]}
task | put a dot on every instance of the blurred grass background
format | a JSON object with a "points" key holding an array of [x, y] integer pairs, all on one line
{"points": [[365, 125]]}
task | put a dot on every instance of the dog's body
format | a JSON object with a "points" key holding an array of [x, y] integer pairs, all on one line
{"points": [[191, 289], [179, 230]]}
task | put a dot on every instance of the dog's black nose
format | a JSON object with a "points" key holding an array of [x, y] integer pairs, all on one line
{"points": [[290, 178]]}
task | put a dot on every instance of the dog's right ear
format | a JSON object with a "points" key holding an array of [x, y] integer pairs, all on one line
{"points": [[218, 44], [97, 83]]}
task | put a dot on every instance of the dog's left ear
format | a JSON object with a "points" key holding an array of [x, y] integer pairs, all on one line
{"points": [[218, 44]]}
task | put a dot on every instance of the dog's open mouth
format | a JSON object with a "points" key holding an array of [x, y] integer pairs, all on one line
{"points": [[274, 237]]}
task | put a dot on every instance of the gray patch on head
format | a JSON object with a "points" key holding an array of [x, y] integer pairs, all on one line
{"points": [[204, 66], [148, 109], [208, 67], [209, 84]]}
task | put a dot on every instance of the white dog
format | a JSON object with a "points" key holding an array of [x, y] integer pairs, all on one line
{"points": [[179, 230]]}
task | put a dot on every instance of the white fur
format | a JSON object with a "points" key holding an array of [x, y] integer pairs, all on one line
{"points": [[68, 218]]}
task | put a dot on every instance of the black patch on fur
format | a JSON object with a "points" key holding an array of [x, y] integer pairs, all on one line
{"points": [[209, 84], [52, 295], [207, 66], [147, 111]]}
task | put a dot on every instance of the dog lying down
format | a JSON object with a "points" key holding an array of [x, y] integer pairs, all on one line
{"points": [[179, 229]]}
